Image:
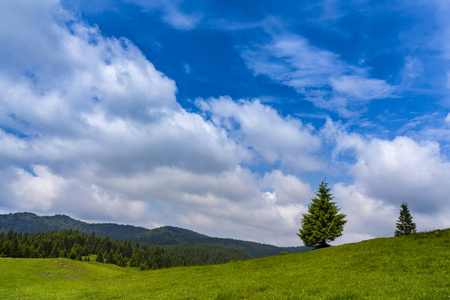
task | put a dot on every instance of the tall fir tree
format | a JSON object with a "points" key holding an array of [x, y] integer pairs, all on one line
{"points": [[110, 257], [405, 225], [322, 223], [99, 256]]}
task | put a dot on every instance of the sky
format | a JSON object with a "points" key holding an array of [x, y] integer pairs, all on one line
{"points": [[223, 117]]}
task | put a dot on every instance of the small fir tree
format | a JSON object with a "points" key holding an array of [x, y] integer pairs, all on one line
{"points": [[405, 225], [322, 223]]}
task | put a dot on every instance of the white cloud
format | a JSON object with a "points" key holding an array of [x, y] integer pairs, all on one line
{"points": [[361, 89], [172, 13], [293, 61], [404, 170], [261, 129], [320, 75], [370, 217], [367, 217], [13, 150], [33, 37], [107, 105], [287, 189], [37, 192], [43, 191], [447, 119], [180, 20], [38, 82], [386, 173]]}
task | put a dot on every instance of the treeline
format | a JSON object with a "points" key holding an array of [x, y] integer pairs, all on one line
{"points": [[76, 245], [169, 235], [199, 249], [207, 254]]}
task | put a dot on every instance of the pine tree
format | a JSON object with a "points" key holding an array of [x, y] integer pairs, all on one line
{"points": [[322, 223], [405, 225], [99, 256], [110, 257]]}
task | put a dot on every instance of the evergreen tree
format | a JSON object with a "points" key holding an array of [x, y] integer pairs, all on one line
{"points": [[136, 257], [63, 253], [322, 223], [54, 253], [110, 257], [118, 258], [99, 256], [128, 249], [14, 249], [405, 225]]}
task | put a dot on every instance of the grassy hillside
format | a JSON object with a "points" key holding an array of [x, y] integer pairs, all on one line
{"points": [[410, 267]]}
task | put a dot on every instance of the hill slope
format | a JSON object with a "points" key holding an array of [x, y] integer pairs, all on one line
{"points": [[169, 235], [31, 223], [409, 267], [164, 236]]}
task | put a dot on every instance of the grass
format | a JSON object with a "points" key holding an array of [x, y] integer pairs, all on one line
{"points": [[411, 267]]}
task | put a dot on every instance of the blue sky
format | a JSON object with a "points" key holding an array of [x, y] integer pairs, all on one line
{"points": [[223, 117]]}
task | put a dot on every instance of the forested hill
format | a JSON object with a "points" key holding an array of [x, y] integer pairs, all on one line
{"points": [[169, 235], [164, 236], [31, 223]]}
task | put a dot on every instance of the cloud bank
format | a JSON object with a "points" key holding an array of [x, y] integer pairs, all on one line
{"points": [[92, 129]]}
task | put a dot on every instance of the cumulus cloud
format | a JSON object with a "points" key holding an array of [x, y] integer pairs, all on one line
{"points": [[95, 102], [386, 173], [371, 217], [367, 217], [287, 189], [261, 129], [41, 190], [235, 203], [107, 106], [38, 83], [105, 95], [404, 170], [320, 75]]}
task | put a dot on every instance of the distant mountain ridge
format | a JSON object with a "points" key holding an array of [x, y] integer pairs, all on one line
{"points": [[163, 236], [31, 223], [169, 235]]}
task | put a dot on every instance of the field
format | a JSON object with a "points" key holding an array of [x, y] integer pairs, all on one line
{"points": [[412, 267]]}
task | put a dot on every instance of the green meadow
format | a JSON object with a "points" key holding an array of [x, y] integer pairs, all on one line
{"points": [[407, 267]]}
